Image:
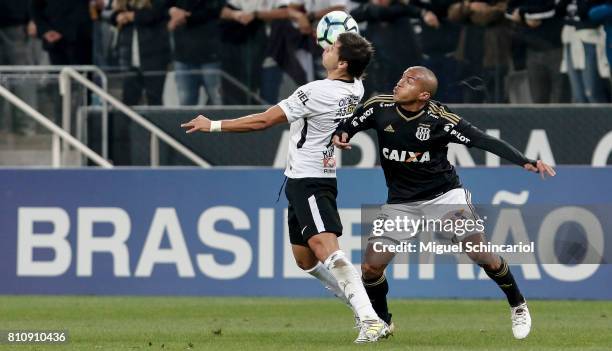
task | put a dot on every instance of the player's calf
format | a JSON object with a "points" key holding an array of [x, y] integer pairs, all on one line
{"points": [[498, 270], [503, 277], [323, 245], [521, 319], [377, 288], [306, 260], [350, 283]]}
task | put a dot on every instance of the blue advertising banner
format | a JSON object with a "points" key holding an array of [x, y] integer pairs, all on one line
{"points": [[221, 232]]}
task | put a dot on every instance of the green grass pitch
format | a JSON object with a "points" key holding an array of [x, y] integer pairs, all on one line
{"points": [[179, 323]]}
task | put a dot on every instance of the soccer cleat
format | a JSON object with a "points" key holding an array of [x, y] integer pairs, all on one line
{"points": [[521, 321], [372, 331], [390, 324], [391, 328]]}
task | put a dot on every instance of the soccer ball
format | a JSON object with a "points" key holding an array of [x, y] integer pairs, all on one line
{"points": [[332, 25]]}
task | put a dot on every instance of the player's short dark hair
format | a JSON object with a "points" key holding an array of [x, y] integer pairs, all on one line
{"points": [[356, 51]]}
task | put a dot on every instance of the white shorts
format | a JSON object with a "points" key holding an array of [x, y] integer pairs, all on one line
{"points": [[448, 215]]}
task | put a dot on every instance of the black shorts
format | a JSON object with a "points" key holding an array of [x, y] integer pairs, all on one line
{"points": [[312, 208]]}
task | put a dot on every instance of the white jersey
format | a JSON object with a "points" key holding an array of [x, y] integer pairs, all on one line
{"points": [[314, 111]]}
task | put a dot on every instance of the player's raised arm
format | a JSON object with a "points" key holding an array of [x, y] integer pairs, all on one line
{"points": [[465, 133], [259, 121], [360, 120]]}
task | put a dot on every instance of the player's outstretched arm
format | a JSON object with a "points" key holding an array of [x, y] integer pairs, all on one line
{"points": [[504, 150], [259, 121], [362, 119], [472, 136]]}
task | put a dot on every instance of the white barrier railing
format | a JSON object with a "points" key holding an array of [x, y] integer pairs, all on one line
{"points": [[57, 133], [69, 73], [79, 68]]}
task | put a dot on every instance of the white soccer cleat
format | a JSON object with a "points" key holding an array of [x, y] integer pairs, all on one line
{"points": [[521, 321], [372, 331]]}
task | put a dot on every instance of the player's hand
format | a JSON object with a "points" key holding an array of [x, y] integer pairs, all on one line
{"points": [[541, 168], [199, 123], [341, 142]]}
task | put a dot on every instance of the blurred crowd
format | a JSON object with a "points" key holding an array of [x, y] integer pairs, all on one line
{"points": [[485, 51]]}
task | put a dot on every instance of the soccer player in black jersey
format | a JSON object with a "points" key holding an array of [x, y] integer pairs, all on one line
{"points": [[413, 136]]}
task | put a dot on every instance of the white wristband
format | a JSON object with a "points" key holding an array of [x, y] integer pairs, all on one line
{"points": [[215, 126]]}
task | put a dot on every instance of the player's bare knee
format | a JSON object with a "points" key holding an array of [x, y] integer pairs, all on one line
{"points": [[478, 258], [474, 256], [487, 261], [492, 265], [317, 245], [323, 245], [305, 264], [371, 271]]}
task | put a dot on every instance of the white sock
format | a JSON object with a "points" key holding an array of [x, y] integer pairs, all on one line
{"points": [[329, 282], [350, 283]]}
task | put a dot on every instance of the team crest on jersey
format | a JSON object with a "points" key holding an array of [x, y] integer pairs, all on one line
{"points": [[329, 160], [422, 132]]}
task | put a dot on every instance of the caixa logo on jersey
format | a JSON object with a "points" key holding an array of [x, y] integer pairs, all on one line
{"points": [[405, 156]]}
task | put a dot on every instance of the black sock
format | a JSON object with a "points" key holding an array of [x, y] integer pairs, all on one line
{"points": [[504, 279], [377, 290]]}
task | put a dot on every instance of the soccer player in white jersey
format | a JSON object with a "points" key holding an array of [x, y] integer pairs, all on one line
{"points": [[314, 111]]}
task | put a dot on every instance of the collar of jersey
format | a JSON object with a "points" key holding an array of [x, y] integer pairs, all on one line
{"points": [[409, 118]]}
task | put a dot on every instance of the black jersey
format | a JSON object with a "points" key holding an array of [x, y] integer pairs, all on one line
{"points": [[413, 146]]}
